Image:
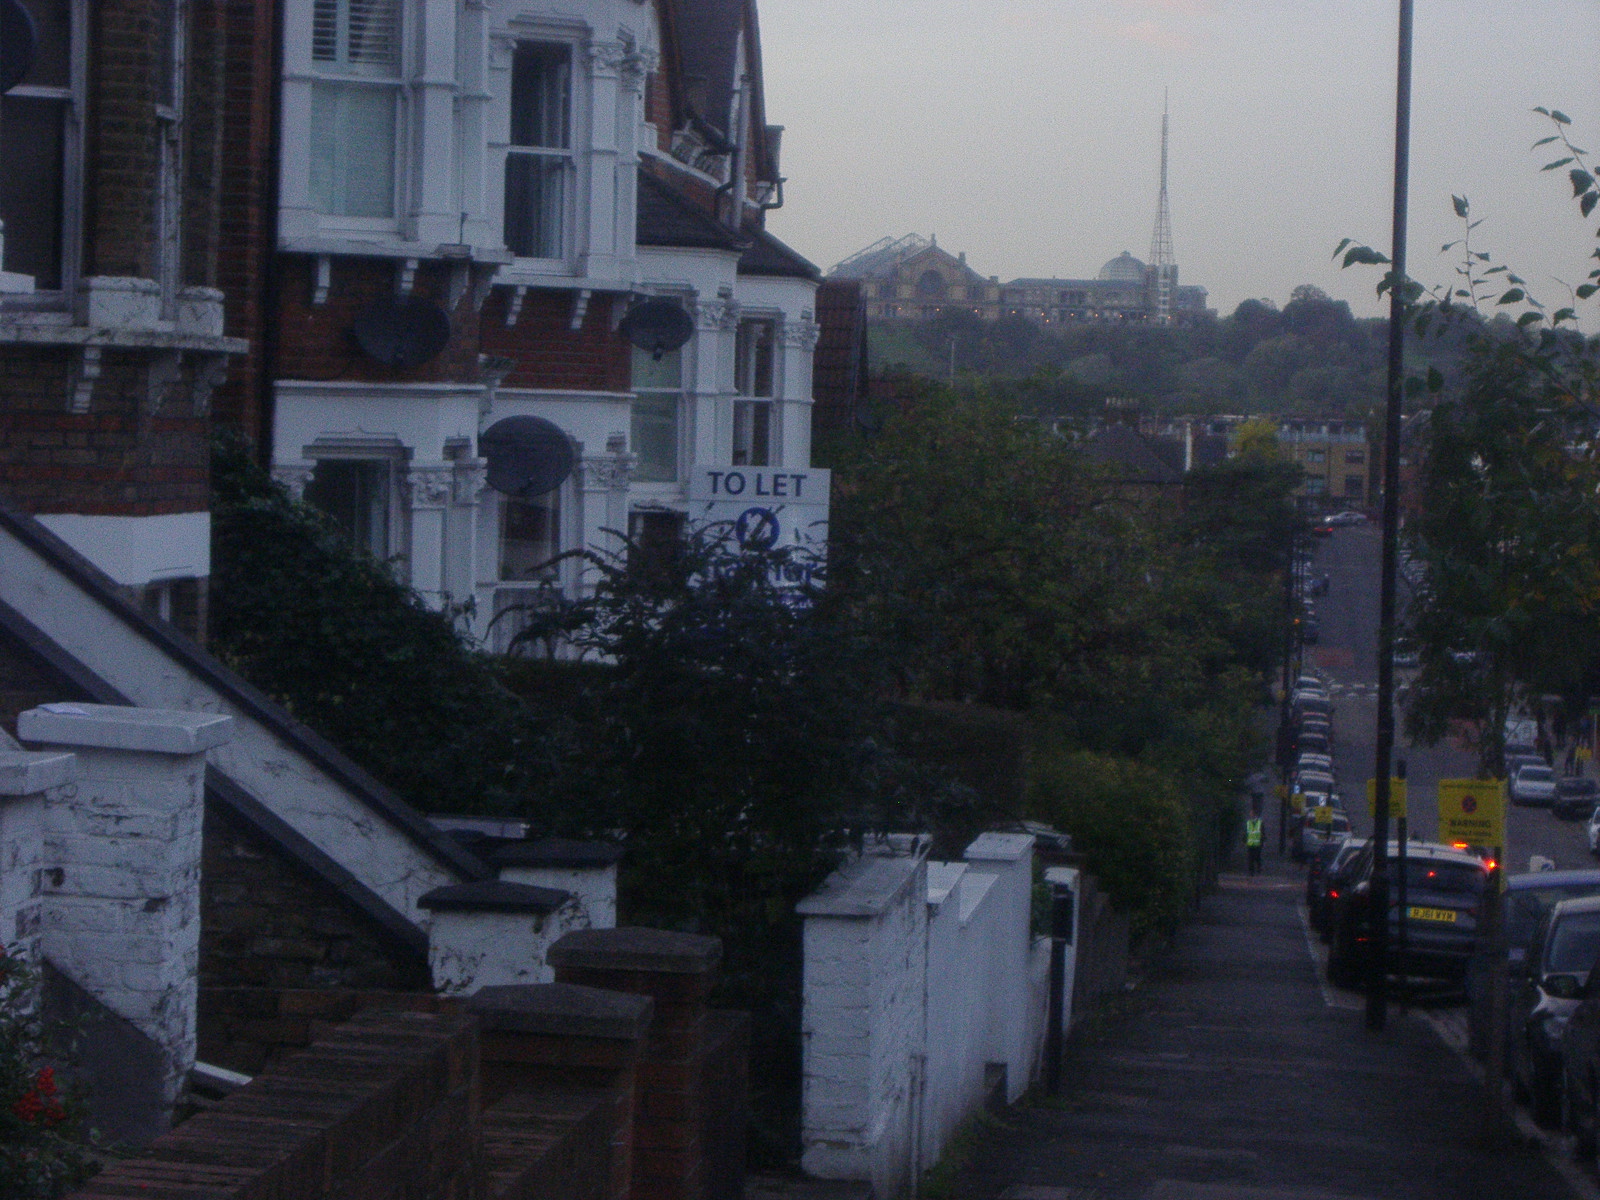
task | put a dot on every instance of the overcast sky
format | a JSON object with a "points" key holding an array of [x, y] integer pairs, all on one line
{"points": [[1027, 133]]}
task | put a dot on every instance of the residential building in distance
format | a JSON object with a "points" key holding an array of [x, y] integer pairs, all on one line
{"points": [[913, 278], [1334, 454]]}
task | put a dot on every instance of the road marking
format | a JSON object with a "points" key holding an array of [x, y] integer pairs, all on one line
{"points": [[1319, 965], [1552, 1145]]}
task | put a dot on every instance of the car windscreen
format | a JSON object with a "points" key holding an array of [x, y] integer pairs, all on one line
{"points": [[1577, 787], [1535, 775], [1425, 874], [1574, 942], [1527, 905]]}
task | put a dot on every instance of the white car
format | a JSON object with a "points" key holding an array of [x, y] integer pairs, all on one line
{"points": [[1594, 832], [1314, 762], [1534, 783]]}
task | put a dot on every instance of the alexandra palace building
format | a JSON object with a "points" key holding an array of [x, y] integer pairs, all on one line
{"points": [[912, 278]]}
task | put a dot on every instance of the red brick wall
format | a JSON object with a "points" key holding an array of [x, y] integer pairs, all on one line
{"points": [[386, 1108], [548, 352], [314, 338], [118, 458], [121, 140]]}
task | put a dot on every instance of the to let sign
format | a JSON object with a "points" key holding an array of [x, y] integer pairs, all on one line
{"points": [[764, 506], [1472, 811]]}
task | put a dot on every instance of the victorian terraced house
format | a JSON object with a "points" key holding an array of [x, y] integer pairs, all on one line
{"points": [[471, 199]]}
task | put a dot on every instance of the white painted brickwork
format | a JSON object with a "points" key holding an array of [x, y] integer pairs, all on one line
{"points": [[121, 863], [918, 976], [297, 789], [28, 781], [472, 950]]}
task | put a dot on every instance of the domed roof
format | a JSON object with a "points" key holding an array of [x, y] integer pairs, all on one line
{"points": [[1123, 266]]}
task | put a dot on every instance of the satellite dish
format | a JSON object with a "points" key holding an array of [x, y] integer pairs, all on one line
{"points": [[19, 41], [528, 456], [401, 331], [657, 325]]}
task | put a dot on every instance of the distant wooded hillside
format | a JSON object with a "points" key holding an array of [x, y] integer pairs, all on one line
{"points": [[1310, 358]]}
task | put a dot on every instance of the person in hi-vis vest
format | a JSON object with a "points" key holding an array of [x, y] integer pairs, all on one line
{"points": [[1252, 842]]}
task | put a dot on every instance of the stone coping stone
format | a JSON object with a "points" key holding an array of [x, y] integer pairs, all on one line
{"points": [[864, 887], [632, 948], [1004, 847], [494, 895], [124, 727], [556, 852], [561, 1010], [28, 772]]}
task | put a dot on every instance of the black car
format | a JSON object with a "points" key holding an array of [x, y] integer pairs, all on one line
{"points": [[1444, 890], [1547, 984], [1576, 796], [1329, 873]]}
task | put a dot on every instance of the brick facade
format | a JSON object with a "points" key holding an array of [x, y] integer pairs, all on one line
{"points": [[268, 922]]}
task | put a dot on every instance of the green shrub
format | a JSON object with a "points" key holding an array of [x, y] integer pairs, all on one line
{"points": [[1132, 825], [357, 655]]}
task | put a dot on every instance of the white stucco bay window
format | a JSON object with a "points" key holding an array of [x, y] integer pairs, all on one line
{"points": [[755, 362], [654, 433], [539, 160], [355, 107]]}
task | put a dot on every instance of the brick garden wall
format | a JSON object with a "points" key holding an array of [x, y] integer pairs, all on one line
{"points": [[385, 1107]]}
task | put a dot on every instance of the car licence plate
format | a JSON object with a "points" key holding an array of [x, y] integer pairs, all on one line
{"points": [[1417, 913]]}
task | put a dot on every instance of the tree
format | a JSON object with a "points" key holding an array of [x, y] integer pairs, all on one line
{"points": [[1508, 504]]}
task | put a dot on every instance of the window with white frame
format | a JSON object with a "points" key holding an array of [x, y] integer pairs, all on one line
{"points": [[754, 360], [539, 162], [530, 536], [40, 188], [653, 427], [355, 494], [355, 107]]}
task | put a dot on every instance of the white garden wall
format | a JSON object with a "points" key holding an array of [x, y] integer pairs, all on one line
{"points": [[921, 980]]}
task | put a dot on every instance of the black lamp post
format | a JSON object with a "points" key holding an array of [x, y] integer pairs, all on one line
{"points": [[1378, 898]]}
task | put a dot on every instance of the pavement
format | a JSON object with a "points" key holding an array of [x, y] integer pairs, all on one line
{"points": [[1232, 1072]]}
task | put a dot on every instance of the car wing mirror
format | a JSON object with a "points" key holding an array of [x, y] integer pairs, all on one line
{"points": [[1562, 986]]}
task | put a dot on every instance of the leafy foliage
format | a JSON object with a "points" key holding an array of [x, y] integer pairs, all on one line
{"points": [[738, 742], [1507, 520], [44, 1143], [355, 654]]}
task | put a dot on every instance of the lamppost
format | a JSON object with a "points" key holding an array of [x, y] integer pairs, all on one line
{"points": [[1378, 895]]}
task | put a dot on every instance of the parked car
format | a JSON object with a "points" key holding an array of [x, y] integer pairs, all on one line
{"points": [[1313, 781], [1548, 981], [1314, 837], [1310, 683], [1444, 906], [1576, 797], [1533, 783], [1322, 886], [1348, 517], [1594, 832], [1314, 762], [1528, 896], [1312, 740], [1310, 702]]}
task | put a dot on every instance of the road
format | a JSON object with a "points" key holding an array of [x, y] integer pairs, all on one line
{"points": [[1347, 656]]}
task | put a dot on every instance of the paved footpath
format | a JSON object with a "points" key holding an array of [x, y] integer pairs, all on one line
{"points": [[1233, 1074]]}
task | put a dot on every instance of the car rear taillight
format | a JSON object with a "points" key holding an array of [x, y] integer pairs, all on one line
{"points": [[1332, 894]]}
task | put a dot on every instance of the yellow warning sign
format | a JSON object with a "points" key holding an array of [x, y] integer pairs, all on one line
{"points": [[1397, 798], [1322, 816], [1472, 811], [1297, 804]]}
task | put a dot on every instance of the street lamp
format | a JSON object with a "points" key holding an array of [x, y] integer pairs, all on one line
{"points": [[1378, 896]]}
